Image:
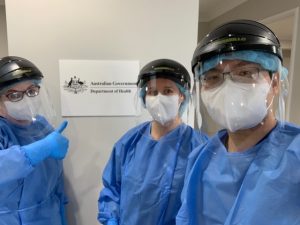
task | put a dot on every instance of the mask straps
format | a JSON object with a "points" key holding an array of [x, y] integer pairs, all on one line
{"points": [[269, 107]]}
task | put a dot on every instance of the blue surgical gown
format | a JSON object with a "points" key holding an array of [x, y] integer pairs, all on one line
{"points": [[259, 186], [144, 177], [29, 195]]}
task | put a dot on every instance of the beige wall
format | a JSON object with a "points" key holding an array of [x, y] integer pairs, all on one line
{"points": [[259, 10], [46, 31], [294, 103], [3, 33]]}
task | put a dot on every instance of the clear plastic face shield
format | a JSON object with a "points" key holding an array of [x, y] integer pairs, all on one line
{"points": [[27, 103], [162, 101], [240, 89]]}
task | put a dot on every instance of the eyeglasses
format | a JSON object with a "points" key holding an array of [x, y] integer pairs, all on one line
{"points": [[214, 78], [15, 96]]}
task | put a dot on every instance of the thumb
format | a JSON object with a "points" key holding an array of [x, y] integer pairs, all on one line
{"points": [[62, 126]]}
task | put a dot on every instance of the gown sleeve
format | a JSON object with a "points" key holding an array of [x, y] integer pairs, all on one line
{"points": [[182, 217], [109, 200], [13, 163], [63, 198]]}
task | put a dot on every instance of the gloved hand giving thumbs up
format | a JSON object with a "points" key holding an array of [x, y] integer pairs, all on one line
{"points": [[54, 145]]}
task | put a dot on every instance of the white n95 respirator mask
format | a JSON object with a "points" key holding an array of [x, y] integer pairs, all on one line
{"points": [[26, 109], [237, 106], [162, 108]]}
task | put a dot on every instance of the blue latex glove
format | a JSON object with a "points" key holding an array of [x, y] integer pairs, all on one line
{"points": [[54, 145]]}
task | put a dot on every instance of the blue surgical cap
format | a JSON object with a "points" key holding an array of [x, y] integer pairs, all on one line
{"points": [[5, 89], [186, 94], [267, 61]]}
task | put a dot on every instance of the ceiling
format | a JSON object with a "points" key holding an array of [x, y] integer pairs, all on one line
{"points": [[208, 10], [281, 25]]}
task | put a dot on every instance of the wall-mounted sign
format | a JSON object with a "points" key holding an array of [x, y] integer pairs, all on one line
{"points": [[98, 87]]}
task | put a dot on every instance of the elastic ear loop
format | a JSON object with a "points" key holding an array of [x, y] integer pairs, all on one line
{"points": [[283, 92], [196, 94], [272, 100], [271, 83], [186, 99]]}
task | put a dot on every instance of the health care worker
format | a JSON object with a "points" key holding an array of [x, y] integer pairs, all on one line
{"points": [[144, 177], [248, 173], [31, 172]]}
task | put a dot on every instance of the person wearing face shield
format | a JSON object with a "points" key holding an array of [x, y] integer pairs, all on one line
{"points": [[144, 177], [247, 173], [31, 150]]}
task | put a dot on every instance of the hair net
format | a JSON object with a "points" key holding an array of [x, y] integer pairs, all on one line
{"points": [[5, 89]]}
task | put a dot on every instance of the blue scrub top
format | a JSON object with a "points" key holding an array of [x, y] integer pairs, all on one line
{"points": [[144, 177], [28, 195], [258, 186]]}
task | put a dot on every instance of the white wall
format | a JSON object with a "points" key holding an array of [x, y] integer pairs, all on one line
{"points": [[46, 31], [3, 33]]}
